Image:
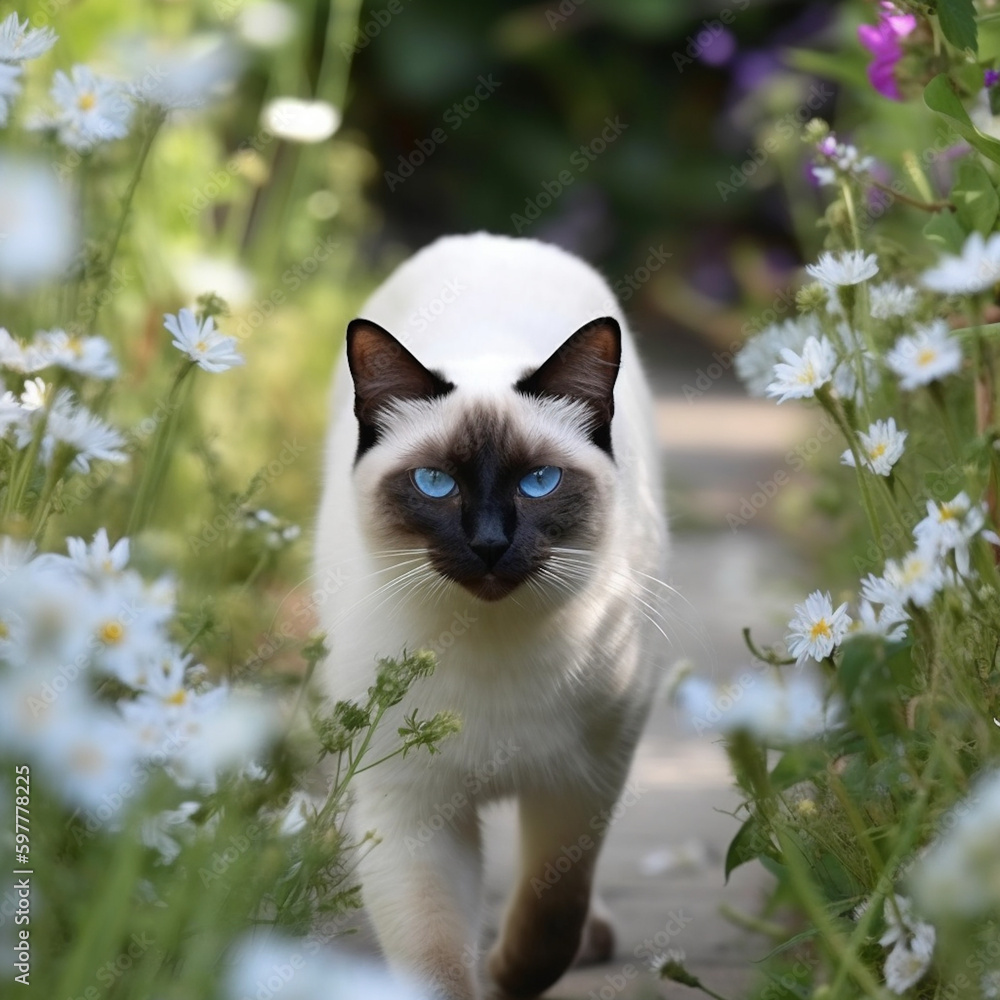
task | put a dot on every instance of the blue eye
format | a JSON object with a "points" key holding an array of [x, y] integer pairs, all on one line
{"points": [[540, 482], [433, 482]]}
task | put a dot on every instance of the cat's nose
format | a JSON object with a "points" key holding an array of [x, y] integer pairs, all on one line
{"points": [[489, 546]]}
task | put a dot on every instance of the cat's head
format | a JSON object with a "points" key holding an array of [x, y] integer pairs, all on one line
{"points": [[486, 481]]}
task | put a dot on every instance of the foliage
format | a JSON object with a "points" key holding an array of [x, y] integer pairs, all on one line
{"points": [[870, 766], [162, 796]]}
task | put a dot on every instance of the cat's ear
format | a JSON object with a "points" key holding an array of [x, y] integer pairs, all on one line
{"points": [[384, 372], [585, 369]]}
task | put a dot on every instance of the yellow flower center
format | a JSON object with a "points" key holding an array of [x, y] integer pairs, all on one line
{"points": [[76, 346], [821, 628], [877, 451], [201, 346], [4, 630], [112, 633], [946, 513], [88, 759], [807, 375], [177, 698], [86, 102], [926, 356]]}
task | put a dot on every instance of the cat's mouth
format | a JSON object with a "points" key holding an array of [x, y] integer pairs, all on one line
{"points": [[490, 587]]}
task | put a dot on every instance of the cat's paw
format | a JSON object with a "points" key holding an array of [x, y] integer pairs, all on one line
{"points": [[597, 945]]}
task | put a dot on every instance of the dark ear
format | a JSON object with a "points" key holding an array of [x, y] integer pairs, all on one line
{"points": [[384, 371], [584, 368]]}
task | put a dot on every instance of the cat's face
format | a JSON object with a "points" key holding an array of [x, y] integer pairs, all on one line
{"points": [[487, 486]]}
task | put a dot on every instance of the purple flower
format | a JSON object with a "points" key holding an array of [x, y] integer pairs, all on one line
{"points": [[882, 40], [991, 77]]}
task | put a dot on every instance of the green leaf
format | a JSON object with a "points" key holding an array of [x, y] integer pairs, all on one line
{"points": [[941, 98], [798, 764], [945, 232], [975, 198], [751, 842], [958, 22]]}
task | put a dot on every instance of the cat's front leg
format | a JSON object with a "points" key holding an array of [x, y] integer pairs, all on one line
{"points": [[422, 886], [548, 911]]}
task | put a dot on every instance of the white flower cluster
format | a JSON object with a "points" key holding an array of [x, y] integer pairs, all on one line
{"points": [[839, 159], [795, 358], [68, 623], [66, 421], [948, 530], [90, 109]]}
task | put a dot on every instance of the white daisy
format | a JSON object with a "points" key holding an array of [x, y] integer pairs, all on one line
{"points": [[890, 299], [800, 375], [38, 233], [757, 357], [184, 77], [881, 447], [889, 623], [201, 342], [100, 560], [928, 354], [90, 437], [850, 267], [35, 395], [89, 759], [89, 356], [300, 121], [917, 577], [11, 353], [950, 527], [779, 711], [10, 87], [266, 24], [11, 411], [163, 831], [17, 43], [976, 269], [909, 960], [960, 872], [91, 109], [320, 974], [817, 629]]}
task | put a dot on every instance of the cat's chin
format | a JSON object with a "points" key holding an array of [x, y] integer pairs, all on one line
{"points": [[490, 588]]}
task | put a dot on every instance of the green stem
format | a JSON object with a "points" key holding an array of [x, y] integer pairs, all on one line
{"points": [[147, 145], [830, 405], [152, 473]]}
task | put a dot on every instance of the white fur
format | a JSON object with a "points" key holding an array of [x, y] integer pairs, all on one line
{"points": [[551, 687]]}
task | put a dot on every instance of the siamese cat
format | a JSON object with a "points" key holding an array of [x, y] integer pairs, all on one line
{"points": [[492, 492]]}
